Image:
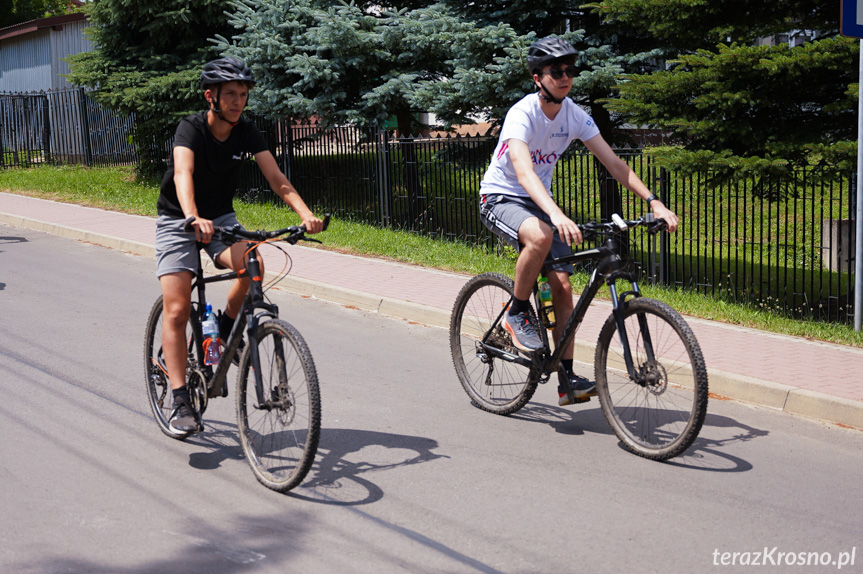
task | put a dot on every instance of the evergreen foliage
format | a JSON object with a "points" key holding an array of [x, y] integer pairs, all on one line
{"points": [[17, 11], [735, 106], [147, 61]]}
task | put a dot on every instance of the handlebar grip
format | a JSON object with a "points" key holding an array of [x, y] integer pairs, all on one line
{"points": [[326, 221], [187, 226]]}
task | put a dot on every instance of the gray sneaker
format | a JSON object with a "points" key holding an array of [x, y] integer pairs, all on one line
{"points": [[183, 419], [524, 335]]}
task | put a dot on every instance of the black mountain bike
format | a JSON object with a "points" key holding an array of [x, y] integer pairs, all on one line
{"points": [[278, 400], [650, 374]]}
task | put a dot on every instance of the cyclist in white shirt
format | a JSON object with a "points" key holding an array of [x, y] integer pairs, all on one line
{"points": [[516, 201]]}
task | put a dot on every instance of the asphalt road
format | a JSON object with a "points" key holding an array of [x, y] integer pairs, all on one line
{"points": [[409, 476]]}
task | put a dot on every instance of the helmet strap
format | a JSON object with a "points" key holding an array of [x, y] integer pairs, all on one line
{"points": [[547, 95], [217, 108]]}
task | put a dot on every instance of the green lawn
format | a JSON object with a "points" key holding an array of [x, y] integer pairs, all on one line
{"points": [[117, 189]]}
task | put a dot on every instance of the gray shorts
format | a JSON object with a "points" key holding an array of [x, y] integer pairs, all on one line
{"points": [[504, 214], [176, 250]]}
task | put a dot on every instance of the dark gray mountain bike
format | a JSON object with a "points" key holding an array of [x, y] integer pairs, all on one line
{"points": [[650, 375], [278, 399]]}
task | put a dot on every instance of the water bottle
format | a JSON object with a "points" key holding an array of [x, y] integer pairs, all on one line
{"points": [[210, 328], [546, 304]]}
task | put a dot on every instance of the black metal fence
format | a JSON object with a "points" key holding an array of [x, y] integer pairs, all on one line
{"points": [[786, 246], [62, 127]]}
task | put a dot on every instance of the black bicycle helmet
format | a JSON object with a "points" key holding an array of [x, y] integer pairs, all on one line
{"points": [[226, 69], [544, 51]]}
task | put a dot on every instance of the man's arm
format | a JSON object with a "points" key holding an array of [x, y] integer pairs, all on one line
{"points": [[519, 155], [184, 170], [621, 171], [284, 189]]}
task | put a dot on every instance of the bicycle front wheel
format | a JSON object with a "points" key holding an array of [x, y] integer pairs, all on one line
{"points": [[657, 413], [279, 429], [159, 393], [493, 382]]}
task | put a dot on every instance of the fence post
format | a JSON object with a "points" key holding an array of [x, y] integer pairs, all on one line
{"points": [[2, 121], [85, 128], [664, 238], [46, 129], [288, 147], [384, 195]]}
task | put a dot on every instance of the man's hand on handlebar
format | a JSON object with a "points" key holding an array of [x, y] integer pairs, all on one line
{"points": [[567, 230], [662, 212], [203, 228], [313, 224]]}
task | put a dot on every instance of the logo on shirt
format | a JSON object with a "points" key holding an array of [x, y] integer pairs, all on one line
{"points": [[503, 149], [236, 157], [539, 158]]}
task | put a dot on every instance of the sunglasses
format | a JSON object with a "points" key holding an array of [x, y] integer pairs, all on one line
{"points": [[557, 73]]}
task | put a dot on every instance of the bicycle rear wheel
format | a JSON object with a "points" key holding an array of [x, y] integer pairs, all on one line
{"points": [[279, 434], [659, 415], [492, 382], [159, 393]]}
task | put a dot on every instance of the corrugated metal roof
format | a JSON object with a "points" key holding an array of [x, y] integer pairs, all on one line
{"points": [[33, 25]]}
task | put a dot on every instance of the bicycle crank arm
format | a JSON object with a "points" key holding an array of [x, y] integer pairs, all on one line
{"points": [[506, 356]]}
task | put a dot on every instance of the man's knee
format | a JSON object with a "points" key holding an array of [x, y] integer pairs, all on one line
{"points": [[535, 234]]}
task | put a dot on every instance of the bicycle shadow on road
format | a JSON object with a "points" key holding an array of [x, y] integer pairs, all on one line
{"points": [[345, 455], [718, 433], [221, 442], [575, 420], [706, 453]]}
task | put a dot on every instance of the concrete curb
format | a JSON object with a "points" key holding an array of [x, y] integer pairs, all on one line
{"points": [[785, 398]]}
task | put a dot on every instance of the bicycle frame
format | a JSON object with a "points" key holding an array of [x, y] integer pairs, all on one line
{"points": [[248, 319], [610, 268]]}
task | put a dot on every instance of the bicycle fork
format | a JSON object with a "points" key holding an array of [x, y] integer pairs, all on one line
{"points": [[619, 303]]}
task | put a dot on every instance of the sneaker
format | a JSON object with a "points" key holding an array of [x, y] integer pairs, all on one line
{"points": [[582, 389], [239, 353], [183, 419], [524, 335]]}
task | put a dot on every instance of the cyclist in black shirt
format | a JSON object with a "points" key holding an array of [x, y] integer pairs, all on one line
{"points": [[200, 182]]}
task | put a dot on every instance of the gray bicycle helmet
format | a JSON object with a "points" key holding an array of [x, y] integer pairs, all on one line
{"points": [[548, 49], [226, 69]]}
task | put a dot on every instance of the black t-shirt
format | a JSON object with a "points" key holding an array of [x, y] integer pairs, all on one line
{"points": [[217, 165]]}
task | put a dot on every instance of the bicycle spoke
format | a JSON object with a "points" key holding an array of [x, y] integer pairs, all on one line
{"points": [[658, 412], [280, 434]]}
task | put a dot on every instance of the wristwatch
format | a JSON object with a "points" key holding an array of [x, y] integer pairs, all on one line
{"points": [[650, 198]]}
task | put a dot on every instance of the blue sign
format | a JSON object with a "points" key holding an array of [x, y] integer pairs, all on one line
{"points": [[852, 18]]}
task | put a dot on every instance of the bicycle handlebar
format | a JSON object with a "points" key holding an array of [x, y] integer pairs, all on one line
{"points": [[236, 232], [617, 225]]}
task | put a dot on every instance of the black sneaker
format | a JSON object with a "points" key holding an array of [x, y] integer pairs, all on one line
{"points": [[183, 419], [524, 335], [239, 353], [581, 390]]}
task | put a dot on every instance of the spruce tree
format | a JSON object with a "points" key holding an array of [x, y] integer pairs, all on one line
{"points": [[734, 101], [147, 61]]}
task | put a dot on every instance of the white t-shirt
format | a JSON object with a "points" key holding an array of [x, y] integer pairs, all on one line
{"points": [[546, 139]]}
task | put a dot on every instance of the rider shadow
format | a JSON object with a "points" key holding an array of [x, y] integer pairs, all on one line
{"points": [[4, 239], [347, 456], [565, 420], [221, 443], [343, 456]]}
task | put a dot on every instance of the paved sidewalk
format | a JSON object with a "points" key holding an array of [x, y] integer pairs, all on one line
{"points": [[814, 379]]}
